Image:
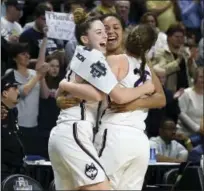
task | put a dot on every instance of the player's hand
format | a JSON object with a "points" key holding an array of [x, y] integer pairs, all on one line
{"points": [[149, 87], [121, 108], [4, 112], [64, 102]]}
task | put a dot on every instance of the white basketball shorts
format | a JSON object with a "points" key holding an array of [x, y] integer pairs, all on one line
{"points": [[74, 159], [124, 153]]}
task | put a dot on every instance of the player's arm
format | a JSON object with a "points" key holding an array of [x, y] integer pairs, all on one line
{"points": [[121, 95], [157, 100], [118, 94], [82, 91]]}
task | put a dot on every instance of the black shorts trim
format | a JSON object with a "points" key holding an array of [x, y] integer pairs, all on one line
{"points": [[103, 143], [82, 106], [75, 135]]}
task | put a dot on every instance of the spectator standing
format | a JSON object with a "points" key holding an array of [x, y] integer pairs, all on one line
{"points": [[31, 24], [191, 13], [137, 9], [10, 28], [191, 105], [151, 19], [48, 110], [176, 60], [11, 148], [34, 36], [167, 12], [32, 84], [167, 149], [123, 10]]}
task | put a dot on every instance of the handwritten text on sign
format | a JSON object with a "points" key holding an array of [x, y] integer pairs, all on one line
{"points": [[60, 26]]}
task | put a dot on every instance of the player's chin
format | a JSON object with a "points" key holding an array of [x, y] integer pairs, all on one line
{"points": [[103, 50]]}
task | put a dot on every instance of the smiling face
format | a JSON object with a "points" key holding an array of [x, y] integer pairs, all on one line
{"points": [[96, 36], [114, 31]]}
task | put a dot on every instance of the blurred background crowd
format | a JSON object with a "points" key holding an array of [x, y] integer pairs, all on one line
{"points": [[176, 130]]}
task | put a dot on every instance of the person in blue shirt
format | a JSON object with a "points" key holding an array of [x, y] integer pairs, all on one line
{"points": [[198, 150], [194, 144], [191, 13]]}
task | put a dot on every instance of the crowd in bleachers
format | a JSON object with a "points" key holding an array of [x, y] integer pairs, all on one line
{"points": [[176, 131]]}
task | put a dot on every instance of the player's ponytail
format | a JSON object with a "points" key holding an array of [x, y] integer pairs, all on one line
{"points": [[139, 40]]}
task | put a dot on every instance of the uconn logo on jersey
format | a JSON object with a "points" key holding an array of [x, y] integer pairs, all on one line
{"points": [[91, 171], [98, 69], [139, 81]]}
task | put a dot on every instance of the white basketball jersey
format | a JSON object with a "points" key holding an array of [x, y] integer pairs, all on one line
{"points": [[135, 118], [84, 111]]}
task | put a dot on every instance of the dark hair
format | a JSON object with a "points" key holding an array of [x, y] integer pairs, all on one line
{"points": [[41, 9], [143, 19], [164, 120], [103, 17], [174, 28], [83, 26], [139, 40], [57, 55], [16, 48]]}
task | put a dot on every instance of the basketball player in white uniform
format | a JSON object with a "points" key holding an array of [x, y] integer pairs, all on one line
{"points": [[122, 145], [73, 157], [72, 154], [121, 135]]}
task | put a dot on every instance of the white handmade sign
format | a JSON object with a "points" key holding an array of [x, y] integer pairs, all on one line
{"points": [[91, 65], [60, 26]]}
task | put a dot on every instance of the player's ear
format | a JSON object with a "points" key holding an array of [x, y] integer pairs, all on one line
{"points": [[84, 39]]}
